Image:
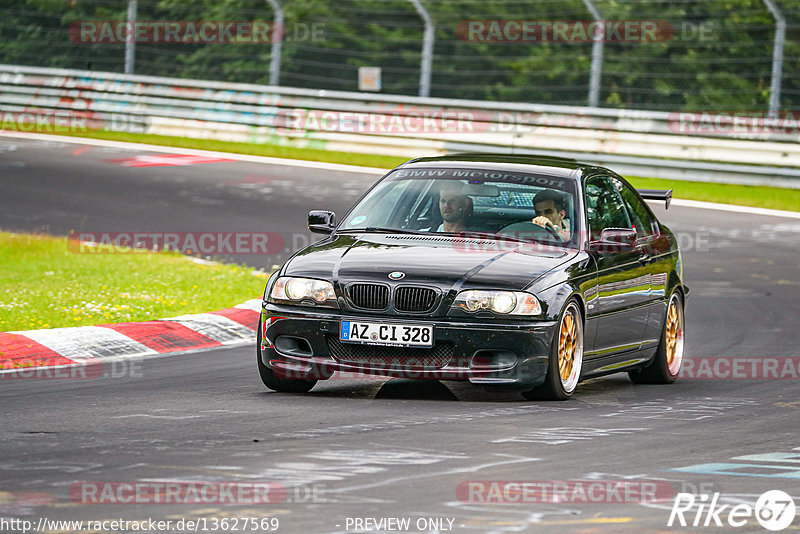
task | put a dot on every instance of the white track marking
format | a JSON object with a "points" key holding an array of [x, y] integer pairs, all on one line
{"points": [[252, 304], [87, 342], [217, 327]]}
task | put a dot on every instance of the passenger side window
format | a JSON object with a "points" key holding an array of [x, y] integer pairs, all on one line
{"points": [[604, 206]]}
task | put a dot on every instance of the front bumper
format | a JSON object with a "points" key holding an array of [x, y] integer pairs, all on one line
{"points": [[304, 344]]}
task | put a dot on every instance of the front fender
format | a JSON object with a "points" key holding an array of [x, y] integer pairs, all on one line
{"points": [[578, 278], [554, 299]]}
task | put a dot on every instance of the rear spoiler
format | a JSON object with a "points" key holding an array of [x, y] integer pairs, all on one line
{"points": [[657, 194]]}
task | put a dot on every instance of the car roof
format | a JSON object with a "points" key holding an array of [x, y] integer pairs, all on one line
{"points": [[531, 163]]}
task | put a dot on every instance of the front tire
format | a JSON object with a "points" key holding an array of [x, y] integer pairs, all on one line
{"points": [[273, 381], [566, 358], [666, 366]]}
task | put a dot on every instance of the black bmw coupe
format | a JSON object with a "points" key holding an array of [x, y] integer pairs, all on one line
{"points": [[511, 271]]}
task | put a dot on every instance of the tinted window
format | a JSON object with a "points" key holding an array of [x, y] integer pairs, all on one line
{"points": [[640, 215], [604, 205], [447, 200]]}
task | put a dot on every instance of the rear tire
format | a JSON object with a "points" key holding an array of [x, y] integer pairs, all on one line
{"points": [[666, 366], [566, 358], [273, 381]]}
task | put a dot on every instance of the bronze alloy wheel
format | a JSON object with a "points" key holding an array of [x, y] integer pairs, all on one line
{"points": [[674, 335], [570, 347], [665, 366]]}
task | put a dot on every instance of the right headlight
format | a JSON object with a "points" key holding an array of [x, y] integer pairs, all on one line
{"points": [[297, 290], [503, 302]]}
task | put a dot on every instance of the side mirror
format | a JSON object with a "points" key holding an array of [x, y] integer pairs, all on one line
{"points": [[321, 222], [615, 240]]}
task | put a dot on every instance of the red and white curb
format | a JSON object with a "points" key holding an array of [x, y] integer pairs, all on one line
{"points": [[84, 345]]}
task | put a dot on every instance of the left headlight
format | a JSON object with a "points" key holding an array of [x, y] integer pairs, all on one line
{"points": [[303, 290], [504, 302]]}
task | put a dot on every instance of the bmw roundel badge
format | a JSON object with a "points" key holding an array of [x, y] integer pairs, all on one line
{"points": [[396, 275]]}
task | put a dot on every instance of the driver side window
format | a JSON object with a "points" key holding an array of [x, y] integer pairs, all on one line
{"points": [[604, 206]]}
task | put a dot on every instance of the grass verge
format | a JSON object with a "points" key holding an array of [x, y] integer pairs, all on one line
{"points": [[44, 285], [776, 198], [743, 195], [251, 149]]}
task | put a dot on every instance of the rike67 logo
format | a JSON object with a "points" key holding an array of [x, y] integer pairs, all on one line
{"points": [[774, 510]]}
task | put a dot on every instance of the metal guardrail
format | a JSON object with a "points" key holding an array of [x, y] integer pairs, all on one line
{"points": [[641, 143]]}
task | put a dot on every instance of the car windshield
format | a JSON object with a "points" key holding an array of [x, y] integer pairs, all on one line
{"points": [[494, 203]]}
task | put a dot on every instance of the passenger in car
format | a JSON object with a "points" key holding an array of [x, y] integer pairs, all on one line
{"points": [[455, 207]]}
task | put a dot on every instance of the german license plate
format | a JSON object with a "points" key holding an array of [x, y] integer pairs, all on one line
{"points": [[400, 335]]}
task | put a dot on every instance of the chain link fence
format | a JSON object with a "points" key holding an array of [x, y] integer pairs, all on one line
{"points": [[711, 55]]}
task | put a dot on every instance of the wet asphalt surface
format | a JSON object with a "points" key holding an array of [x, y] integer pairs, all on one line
{"points": [[379, 450]]}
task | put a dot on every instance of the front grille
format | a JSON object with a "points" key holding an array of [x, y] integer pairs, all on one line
{"points": [[369, 296], [414, 299], [400, 358]]}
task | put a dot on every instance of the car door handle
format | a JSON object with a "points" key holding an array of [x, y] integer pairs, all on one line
{"points": [[645, 259]]}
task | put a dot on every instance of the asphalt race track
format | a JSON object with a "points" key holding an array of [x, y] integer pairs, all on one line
{"points": [[362, 450]]}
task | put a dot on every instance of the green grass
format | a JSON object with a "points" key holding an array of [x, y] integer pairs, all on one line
{"points": [[743, 195], [253, 149], [777, 198], [44, 285]]}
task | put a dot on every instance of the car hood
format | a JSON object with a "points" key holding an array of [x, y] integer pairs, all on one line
{"points": [[442, 261]]}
